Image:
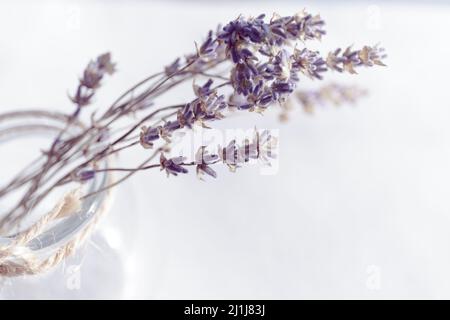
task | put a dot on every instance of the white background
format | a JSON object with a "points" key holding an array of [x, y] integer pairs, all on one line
{"points": [[360, 207]]}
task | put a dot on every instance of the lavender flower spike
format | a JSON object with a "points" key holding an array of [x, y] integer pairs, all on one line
{"points": [[172, 166], [90, 82]]}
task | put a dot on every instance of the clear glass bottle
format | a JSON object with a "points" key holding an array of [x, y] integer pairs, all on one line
{"points": [[97, 268]]}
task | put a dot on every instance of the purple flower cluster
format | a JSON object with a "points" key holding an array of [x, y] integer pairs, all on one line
{"points": [[263, 70], [84, 175], [172, 166], [240, 33], [261, 148], [92, 76], [206, 107]]}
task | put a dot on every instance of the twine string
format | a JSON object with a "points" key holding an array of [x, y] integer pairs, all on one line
{"points": [[17, 260]]}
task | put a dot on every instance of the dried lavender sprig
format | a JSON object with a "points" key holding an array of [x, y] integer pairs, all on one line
{"points": [[261, 148], [262, 70], [348, 59], [90, 81], [239, 34], [332, 93]]}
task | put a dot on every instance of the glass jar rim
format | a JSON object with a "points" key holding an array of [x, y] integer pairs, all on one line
{"points": [[65, 228]]}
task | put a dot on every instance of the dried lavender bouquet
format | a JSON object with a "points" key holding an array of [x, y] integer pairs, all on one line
{"points": [[264, 59]]}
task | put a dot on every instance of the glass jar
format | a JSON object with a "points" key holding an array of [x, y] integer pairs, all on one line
{"points": [[96, 269]]}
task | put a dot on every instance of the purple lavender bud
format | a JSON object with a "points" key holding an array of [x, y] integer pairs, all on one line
{"points": [[245, 53], [175, 168], [206, 169], [85, 175], [207, 42], [266, 99], [172, 166], [255, 35], [235, 55], [257, 88], [204, 90], [171, 126], [279, 32], [91, 76], [282, 87], [105, 65], [152, 134], [173, 67], [245, 106]]}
